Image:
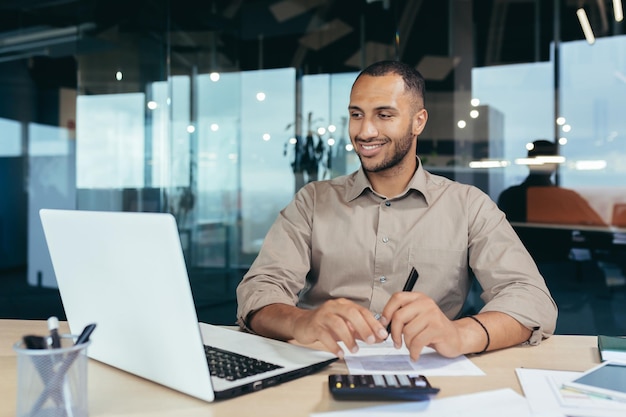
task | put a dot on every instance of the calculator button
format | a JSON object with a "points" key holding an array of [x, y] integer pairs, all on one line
{"points": [[419, 382], [379, 381], [404, 380], [391, 380]]}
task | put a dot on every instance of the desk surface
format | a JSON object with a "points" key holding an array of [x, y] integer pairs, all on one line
{"points": [[571, 227], [116, 393]]}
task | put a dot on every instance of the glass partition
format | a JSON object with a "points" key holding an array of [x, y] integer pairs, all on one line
{"points": [[220, 112]]}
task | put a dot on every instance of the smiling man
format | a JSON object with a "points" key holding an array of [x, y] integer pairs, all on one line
{"points": [[333, 266]]}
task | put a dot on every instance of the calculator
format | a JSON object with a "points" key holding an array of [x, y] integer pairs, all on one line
{"points": [[392, 387]]}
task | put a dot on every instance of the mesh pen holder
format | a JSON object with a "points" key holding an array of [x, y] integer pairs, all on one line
{"points": [[52, 382]]}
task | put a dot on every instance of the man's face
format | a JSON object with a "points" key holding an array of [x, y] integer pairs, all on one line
{"points": [[384, 122]]}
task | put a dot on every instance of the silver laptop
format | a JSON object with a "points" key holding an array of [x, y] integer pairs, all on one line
{"points": [[126, 272]]}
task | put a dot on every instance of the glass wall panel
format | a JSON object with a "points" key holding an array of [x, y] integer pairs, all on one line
{"points": [[11, 142], [51, 184], [523, 95], [216, 238], [169, 159], [267, 121], [325, 97], [345, 159], [110, 137], [592, 96]]}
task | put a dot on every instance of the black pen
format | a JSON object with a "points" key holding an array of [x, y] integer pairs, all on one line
{"points": [[34, 342], [408, 286], [411, 280], [84, 335]]}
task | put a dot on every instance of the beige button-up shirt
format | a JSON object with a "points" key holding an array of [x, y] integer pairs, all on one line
{"points": [[339, 238]]}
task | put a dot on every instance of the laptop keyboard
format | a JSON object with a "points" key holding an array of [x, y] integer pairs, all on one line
{"points": [[232, 366]]}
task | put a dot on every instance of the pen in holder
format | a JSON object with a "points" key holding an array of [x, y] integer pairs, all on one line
{"points": [[52, 382]]}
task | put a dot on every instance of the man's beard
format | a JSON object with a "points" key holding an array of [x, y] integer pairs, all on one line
{"points": [[400, 149]]}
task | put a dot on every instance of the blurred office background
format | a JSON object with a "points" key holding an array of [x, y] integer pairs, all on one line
{"points": [[218, 111]]}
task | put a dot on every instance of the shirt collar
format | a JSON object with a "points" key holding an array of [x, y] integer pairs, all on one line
{"points": [[360, 183]]}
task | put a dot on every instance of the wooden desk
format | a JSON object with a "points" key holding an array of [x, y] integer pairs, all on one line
{"points": [[116, 393]]}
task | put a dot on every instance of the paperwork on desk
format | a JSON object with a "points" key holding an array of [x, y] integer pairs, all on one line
{"points": [[497, 403], [544, 397], [547, 398], [384, 358]]}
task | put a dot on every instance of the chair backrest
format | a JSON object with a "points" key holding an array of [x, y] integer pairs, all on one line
{"points": [[619, 215], [558, 205]]}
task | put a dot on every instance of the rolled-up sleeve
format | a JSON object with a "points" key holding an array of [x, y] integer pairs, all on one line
{"points": [[508, 275], [278, 273]]}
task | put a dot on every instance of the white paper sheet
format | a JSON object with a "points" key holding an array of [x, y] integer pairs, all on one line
{"points": [[543, 389], [497, 403], [613, 355], [384, 358]]}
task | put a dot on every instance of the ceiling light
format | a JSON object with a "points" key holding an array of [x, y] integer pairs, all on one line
{"points": [[540, 160], [586, 26], [36, 34], [491, 163], [547, 159], [618, 11], [38, 40], [590, 165]]}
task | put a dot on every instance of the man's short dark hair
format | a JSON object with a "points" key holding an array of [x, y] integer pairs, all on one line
{"points": [[413, 80], [542, 147]]}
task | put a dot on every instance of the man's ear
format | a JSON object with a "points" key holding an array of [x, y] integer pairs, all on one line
{"points": [[419, 121]]}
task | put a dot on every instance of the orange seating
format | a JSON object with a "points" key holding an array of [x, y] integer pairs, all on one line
{"points": [[558, 205], [619, 215]]}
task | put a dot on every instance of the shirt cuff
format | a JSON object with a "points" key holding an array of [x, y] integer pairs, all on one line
{"points": [[535, 337], [243, 323]]}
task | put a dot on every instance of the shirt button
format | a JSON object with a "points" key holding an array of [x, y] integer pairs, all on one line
{"points": [[383, 279], [388, 203], [385, 239]]}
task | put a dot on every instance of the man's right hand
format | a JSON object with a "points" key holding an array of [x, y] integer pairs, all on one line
{"points": [[334, 321]]}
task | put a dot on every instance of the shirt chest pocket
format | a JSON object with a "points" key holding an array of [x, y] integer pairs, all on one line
{"points": [[443, 276]]}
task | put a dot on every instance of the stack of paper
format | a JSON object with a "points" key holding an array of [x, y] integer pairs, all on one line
{"points": [[497, 403], [384, 358]]}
